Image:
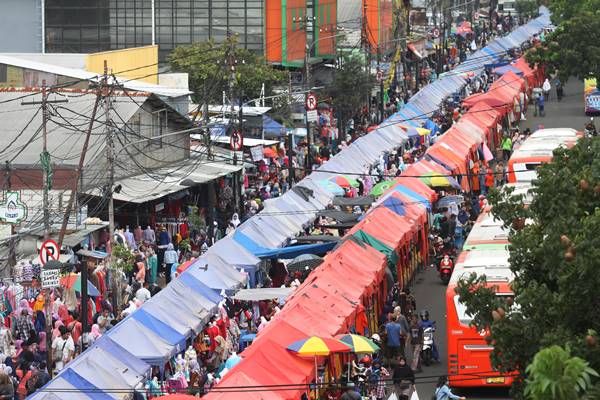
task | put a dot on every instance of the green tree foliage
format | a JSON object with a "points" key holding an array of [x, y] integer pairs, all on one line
{"points": [[554, 374], [527, 8], [206, 63], [123, 258], [574, 48], [349, 88], [556, 261]]}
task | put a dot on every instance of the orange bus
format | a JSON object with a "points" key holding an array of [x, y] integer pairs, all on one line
{"points": [[469, 362], [536, 150]]}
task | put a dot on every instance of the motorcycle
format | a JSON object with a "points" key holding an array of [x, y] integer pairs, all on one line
{"points": [[446, 267], [428, 343]]}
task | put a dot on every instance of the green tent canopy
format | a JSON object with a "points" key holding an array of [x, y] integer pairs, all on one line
{"points": [[381, 247]]}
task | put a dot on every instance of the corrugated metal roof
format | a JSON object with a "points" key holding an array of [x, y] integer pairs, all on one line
{"points": [[65, 141], [89, 76], [165, 181]]}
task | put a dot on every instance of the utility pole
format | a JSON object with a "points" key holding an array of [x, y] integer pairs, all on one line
{"points": [[381, 94], [110, 157], [231, 65], [367, 48], [309, 134], [290, 154], [75, 181], [45, 161]]}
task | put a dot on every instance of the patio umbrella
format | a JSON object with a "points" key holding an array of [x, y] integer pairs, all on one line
{"points": [[73, 281], [318, 346], [435, 180], [332, 187], [359, 344], [303, 261], [269, 152], [446, 201], [381, 188], [344, 181]]}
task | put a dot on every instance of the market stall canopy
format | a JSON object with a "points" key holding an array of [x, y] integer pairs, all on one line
{"points": [[340, 216], [143, 188], [248, 141], [361, 201], [272, 127], [281, 252], [263, 294]]}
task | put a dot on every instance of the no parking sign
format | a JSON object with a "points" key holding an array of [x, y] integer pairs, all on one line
{"points": [[49, 251]]}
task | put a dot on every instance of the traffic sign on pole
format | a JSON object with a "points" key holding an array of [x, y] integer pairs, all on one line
{"points": [[49, 251], [311, 101]]}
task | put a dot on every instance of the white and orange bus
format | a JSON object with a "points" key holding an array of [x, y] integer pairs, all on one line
{"points": [[536, 150], [469, 363]]}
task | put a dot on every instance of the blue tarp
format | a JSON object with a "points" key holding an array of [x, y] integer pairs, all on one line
{"points": [[272, 127], [395, 205], [414, 195], [281, 252], [508, 68], [157, 326]]}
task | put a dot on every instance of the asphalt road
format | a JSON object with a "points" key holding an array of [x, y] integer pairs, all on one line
{"points": [[429, 290]]}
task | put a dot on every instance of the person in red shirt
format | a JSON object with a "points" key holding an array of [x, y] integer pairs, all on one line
{"points": [[489, 179]]}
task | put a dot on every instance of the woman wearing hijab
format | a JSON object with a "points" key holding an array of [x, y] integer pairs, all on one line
{"points": [[56, 331], [40, 321], [96, 331]]}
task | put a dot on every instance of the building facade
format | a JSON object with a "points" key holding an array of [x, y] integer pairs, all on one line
{"points": [[87, 26]]}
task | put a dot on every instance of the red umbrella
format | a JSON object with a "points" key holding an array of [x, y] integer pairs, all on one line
{"points": [[269, 152]]}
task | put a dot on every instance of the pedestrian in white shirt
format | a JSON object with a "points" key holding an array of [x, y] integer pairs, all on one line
{"points": [[63, 349]]}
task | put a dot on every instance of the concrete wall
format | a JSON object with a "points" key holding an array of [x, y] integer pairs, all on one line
{"points": [[20, 26]]}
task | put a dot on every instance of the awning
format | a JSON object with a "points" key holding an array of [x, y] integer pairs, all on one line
{"points": [[361, 201], [281, 252], [263, 294], [339, 216], [165, 181], [75, 238], [272, 127]]}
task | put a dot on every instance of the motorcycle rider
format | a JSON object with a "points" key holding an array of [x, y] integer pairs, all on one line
{"points": [[424, 324], [590, 128]]}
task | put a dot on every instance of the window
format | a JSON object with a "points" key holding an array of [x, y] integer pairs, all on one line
{"points": [[159, 126]]}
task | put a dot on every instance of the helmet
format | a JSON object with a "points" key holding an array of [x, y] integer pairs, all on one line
{"points": [[376, 337], [365, 360], [424, 315]]}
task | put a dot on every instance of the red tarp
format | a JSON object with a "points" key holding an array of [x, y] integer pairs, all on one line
{"points": [[482, 116], [446, 156], [528, 72], [385, 225], [511, 80]]}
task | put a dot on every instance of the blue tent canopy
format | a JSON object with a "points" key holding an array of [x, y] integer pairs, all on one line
{"points": [[395, 205], [200, 288], [414, 195], [282, 252], [161, 329], [503, 70], [272, 127], [70, 385]]}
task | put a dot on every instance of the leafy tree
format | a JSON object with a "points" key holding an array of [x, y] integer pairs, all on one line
{"points": [[573, 49], [527, 8], [555, 258], [349, 88], [554, 374], [207, 65]]}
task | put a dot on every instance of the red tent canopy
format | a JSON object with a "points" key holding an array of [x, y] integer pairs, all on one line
{"points": [[511, 80], [482, 116], [528, 73], [418, 186], [385, 225]]}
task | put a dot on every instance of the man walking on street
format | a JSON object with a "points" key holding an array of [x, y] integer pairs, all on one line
{"points": [[416, 340], [540, 105]]}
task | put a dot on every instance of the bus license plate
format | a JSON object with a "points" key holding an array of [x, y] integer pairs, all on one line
{"points": [[495, 380]]}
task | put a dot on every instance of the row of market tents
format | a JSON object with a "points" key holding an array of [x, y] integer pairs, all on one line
{"points": [[122, 358]]}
